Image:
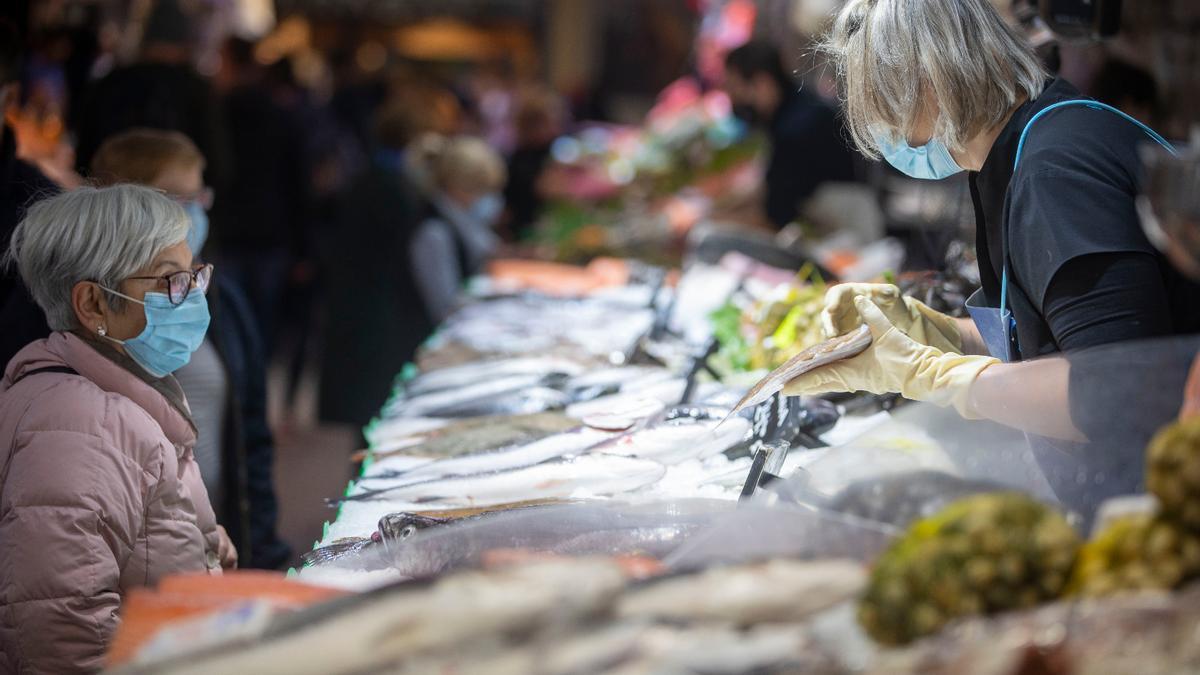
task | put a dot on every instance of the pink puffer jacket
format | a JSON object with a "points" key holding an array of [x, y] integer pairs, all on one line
{"points": [[99, 493]]}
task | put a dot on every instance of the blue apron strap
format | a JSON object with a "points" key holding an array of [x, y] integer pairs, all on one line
{"points": [[1021, 146]]}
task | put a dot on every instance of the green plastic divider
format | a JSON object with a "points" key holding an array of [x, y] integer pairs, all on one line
{"points": [[325, 531], [292, 573]]}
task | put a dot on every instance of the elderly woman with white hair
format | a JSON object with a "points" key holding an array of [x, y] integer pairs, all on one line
{"points": [[937, 87], [99, 491]]}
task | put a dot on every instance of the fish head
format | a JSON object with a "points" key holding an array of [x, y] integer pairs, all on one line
{"points": [[397, 527]]}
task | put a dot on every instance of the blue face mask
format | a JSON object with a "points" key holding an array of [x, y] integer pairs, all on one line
{"points": [[198, 232], [172, 332], [487, 208], [931, 161]]}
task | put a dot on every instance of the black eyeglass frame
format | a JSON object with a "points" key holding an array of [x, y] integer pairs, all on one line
{"points": [[198, 278]]}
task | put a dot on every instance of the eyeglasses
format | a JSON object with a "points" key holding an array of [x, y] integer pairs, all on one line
{"points": [[204, 198], [180, 284]]}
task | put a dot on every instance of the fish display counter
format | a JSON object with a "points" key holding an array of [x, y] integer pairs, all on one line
{"points": [[588, 494]]}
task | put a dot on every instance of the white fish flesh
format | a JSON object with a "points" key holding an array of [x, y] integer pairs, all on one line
{"points": [[844, 347], [666, 392], [515, 394], [624, 415], [589, 475], [608, 381], [475, 373], [674, 442], [501, 459]]}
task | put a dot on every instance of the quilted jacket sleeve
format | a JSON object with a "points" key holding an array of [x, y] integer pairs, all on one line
{"points": [[69, 516]]}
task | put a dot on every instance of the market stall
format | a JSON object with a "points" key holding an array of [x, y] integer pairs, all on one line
{"points": [[559, 486], [592, 467]]}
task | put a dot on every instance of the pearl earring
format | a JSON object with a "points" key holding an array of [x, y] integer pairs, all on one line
{"points": [[102, 331]]}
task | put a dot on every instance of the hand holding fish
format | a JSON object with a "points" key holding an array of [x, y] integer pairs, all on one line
{"points": [[896, 363], [911, 316]]}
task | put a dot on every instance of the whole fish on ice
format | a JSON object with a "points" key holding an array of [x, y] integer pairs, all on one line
{"points": [[415, 546], [591, 474], [501, 459], [673, 442]]}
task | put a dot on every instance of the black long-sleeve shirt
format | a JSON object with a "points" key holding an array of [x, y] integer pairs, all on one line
{"points": [[808, 148]]}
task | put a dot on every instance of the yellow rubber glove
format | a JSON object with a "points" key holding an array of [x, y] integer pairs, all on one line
{"points": [[913, 317], [896, 363]]}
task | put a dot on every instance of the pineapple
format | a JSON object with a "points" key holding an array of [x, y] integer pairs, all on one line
{"points": [[983, 554], [1136, 553], [1173, 471]]}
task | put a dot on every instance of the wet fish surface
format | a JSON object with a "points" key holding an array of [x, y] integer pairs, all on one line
{"points": [[416, 546], [478, 434], [511, 395], [593, 474], [500, 459], [362, 551], [474, 373], [678, 440]]}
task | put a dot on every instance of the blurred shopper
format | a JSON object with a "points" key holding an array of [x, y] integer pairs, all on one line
{"points": [[539, 119], [162, 90], [224, 382], [21, 184], [807, 141], [457, 237], [101, 492], [267, 207], [375, 317]]}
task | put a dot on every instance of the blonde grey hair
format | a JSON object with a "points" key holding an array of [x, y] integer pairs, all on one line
{"points": [[104, 235], [469, 163], [899, 60]]}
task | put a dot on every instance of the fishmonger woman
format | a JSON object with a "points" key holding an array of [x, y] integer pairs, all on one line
{"points": [[936, 87]]}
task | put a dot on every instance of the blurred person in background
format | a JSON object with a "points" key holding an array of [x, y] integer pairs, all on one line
{"points": [[21, 184], [101, 492], [539, 118], [266, 242], [162, 90], [375, 317], [456, 237], [807, 146], [225, 380], [1128, 88]]}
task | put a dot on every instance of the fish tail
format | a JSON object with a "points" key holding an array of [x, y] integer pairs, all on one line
{"points": [[335, 551]]}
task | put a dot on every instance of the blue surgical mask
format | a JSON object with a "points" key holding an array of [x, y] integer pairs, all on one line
{"points": [[931, 161], [172, 333], [487, 208], [198, 232]]}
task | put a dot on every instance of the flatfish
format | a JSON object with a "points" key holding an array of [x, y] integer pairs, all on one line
{"points": [[843, 347]]}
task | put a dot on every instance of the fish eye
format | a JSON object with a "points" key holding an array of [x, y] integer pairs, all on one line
{"points": [[408, 531]]}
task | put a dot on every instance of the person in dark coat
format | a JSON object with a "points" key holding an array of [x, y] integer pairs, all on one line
{"points": [[268, 209], [162, 90], [807, 140], [539, 120], [375, 316], [21, 184], [225, 380]]}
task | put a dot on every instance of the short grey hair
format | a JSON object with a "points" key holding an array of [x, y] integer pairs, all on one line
{"points": [[895, 57], [104, 235]]}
